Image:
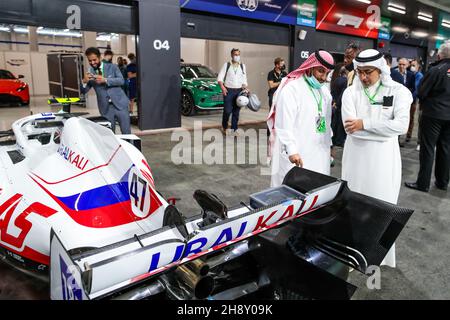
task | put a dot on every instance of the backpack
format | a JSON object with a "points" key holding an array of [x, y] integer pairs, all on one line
{"points": [[228, 68]]}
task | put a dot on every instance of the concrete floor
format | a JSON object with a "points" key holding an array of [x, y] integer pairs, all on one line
{"points": [[423, 248]]}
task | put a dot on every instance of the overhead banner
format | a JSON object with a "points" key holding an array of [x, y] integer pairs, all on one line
{"points": [[306, 13], [362, 20], [279, 11], [443, 33]]}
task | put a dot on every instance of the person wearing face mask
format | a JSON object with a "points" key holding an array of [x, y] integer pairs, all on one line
{"points": [[375, 111], [232, 79], [416, 70], [275, 76], [300, 119]]}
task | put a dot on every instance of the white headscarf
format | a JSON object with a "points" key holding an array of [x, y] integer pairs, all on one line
{"points": [[374, 58]]}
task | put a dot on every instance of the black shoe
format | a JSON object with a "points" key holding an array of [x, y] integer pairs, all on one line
{"points": [[440, 187], [413, 185]]}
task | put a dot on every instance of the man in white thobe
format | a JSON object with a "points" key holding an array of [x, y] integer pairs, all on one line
{"points": [[300, 119], [375, 111]]}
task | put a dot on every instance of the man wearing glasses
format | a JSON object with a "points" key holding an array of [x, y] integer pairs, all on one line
{"points": [[375, 111]]}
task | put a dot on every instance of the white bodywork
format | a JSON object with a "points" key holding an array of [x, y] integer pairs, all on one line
{"points": [[86, 188]]}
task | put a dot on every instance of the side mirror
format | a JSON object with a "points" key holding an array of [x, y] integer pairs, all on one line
{"points": [[21, 76]]}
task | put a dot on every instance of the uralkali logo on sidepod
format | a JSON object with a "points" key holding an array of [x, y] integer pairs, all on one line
{"points": [[247, 5]]}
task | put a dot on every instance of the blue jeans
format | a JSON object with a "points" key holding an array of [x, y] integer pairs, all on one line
{"points": [[230, 107]]}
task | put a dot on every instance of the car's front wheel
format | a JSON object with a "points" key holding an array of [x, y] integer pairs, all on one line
{"points": [[187, 104]]}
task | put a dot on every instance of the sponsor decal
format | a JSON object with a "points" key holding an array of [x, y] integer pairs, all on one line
{"points": [[20, 221], [247, 5], [231, 232], [73, 158], [70, 288]]}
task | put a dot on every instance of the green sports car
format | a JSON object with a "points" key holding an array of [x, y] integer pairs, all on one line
{"points": [[199, 89]]}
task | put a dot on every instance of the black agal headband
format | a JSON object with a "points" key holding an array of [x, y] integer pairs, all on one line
{"points": [[323, 61], [369, 59]]}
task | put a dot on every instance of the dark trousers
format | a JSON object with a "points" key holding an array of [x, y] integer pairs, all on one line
{"points": [[339, 134], [434, 133], [419, 130], [412, 112], [230, 108]]}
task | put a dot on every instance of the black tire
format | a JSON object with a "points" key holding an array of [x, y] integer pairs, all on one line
{"points": [[187, 103], [25, 103]]}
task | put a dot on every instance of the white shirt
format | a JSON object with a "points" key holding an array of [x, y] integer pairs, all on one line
{"points": [[295, 127], [235, 77]]}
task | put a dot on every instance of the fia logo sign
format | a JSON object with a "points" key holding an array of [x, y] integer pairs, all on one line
{"points": [[247, 5]]}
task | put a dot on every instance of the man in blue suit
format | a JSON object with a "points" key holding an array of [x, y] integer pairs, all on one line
{"points": [[107, 81], [395, 75], [408, 78]]}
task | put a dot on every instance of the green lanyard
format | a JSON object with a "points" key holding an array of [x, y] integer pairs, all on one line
{"points": [[102, 66], [321, 124], [372, 98], [318, 101]]}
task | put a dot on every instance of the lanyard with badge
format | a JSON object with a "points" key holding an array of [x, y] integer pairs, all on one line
{"points": [[321, 126], [372, 98], [102, 71]]}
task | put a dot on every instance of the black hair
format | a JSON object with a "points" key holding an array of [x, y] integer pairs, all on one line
{"points": [[355, 46], [108, 53], [234, 50], [388, 57], [92, 50]]}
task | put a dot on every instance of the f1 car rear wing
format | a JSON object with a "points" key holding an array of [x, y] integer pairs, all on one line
{"points": [[323, 206]]}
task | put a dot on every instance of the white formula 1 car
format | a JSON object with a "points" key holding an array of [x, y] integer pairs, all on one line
{"points": [[79, 207]]}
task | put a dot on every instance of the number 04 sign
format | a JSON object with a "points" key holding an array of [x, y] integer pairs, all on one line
{"points": [[161, 45]]}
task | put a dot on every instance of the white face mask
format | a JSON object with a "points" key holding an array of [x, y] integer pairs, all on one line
{"points": [[413, 69], [236, 58]]}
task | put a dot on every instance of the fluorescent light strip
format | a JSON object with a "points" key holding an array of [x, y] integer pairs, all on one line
{"points": [[427, 15], [446, 25], [400, 29], [419, 34], [365, 1], [396, 6], [425, 19], [396, 10]]}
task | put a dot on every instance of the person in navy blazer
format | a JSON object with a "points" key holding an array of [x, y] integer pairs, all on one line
{"points": [[107, 81], [407, 77], [395, 75]]}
